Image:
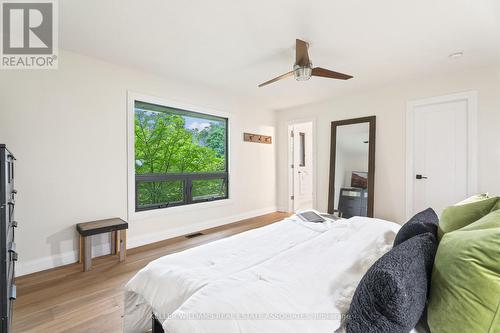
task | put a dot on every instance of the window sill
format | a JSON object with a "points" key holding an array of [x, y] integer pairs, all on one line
{"points": [[140, 215]]}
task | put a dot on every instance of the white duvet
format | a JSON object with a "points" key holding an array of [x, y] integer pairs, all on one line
{"points": [[290, 276], [166, 283]]}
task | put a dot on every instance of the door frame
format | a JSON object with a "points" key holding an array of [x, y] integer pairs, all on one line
{"points": [[471, 97], [290, 124]]}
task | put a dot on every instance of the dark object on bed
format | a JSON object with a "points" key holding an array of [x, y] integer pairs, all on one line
{"points": [[425, 221], [156, 325], [332, 216], [311, 217], [392, 295]]}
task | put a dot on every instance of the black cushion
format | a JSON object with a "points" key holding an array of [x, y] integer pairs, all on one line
{"points": [[392, 295], [425, 221]]}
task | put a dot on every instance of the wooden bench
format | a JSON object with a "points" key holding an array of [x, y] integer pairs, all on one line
{"points": [[118, 229]]}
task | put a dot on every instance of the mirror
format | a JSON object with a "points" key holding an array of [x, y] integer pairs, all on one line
{"points": [[352, 167]]}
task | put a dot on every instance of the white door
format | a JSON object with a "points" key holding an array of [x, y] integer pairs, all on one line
{"points": [[440, 138], [302, 166]]}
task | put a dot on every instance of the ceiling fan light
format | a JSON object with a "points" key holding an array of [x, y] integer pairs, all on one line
{"points": [[303, 68], [302, 73]]}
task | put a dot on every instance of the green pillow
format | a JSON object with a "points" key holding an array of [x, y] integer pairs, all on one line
{"points": [[465, 284], [474, 198], [496, 205], [461, 215]]}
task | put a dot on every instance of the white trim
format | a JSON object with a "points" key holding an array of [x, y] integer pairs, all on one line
{"points": [[291, 123], [65, 258], [70, 257], [471, 97], [132, 214], [195, 227], [48, 262], [289, 189]]}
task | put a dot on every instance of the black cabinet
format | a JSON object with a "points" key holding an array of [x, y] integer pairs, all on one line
{"points": [[8, 254], [353, 202]]}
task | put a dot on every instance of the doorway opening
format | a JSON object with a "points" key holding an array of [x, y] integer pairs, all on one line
{"points": [[301, 166]]}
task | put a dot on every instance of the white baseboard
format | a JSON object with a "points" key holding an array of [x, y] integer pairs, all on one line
{"points": [[61, 259], [191, 228], [36, 265]]}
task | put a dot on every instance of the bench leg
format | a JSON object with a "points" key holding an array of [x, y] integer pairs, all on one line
{"points": [[113, 242], [87, 253], [122, 236], [117, 241], [80, 254]]}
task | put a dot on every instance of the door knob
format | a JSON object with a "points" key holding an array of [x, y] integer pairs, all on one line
{"points": [[420, 177]]}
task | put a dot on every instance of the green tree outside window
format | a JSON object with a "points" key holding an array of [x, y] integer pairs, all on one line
{"points": [[170, 141]]}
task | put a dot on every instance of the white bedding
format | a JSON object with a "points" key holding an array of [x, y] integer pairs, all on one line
{"points": [[164, 284], [290, 276]]}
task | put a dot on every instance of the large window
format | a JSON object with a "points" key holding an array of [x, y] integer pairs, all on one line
{"points": [[180, 157]]}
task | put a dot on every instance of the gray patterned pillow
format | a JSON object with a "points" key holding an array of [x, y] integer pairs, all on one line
{"points": [[425, 221], [392, 295]]}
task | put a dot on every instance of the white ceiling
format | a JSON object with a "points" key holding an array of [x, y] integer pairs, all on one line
{"points": [[232, 45]]}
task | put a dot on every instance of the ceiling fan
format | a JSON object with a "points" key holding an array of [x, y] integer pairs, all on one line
{"points": [[303, 69]]}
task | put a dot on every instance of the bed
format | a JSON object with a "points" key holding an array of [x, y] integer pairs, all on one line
{"points": [[290, 276]]}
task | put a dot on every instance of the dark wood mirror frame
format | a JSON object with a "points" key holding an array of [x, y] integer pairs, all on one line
{"points": [[371, 161]]}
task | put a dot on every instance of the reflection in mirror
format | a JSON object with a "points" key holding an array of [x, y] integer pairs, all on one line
{"points": [[351, 170], [352, 165], [302, 149]]}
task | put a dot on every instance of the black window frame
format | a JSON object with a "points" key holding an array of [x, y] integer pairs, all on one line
{"points": [[186, 178]]}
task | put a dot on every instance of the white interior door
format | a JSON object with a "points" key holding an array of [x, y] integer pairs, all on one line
{"points": [[302, 170], [440, 139]]}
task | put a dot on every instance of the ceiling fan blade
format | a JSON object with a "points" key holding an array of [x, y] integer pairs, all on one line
{"points": [[281, 77], [318, 71], [301, 55]]}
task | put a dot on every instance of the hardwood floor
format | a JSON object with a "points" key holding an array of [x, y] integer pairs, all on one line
{"points": [[64, 299]]}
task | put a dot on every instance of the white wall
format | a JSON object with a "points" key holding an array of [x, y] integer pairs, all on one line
{"points": [[355, 161], [388, 103], [67, 128], [340, 177]]}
